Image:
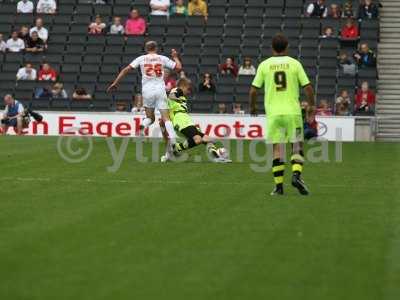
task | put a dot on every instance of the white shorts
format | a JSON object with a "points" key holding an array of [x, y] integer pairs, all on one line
{"points": [[155, 99]]}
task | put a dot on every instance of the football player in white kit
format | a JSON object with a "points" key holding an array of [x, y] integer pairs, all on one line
{"points": [[153, 86]]}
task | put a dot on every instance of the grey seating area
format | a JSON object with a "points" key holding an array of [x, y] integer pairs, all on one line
{"points": [[235, 28]]}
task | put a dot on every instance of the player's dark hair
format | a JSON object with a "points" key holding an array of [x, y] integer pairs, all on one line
{"points": [[151, 46], [279, 43]]}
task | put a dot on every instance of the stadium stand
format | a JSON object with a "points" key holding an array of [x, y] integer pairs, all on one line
{"points": [[235, 28]]}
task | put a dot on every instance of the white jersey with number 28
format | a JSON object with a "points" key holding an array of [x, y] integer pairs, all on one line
{"points": [[152, 67]]}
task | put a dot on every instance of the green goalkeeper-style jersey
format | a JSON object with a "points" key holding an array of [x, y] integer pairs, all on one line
{"points": [[178, 110], [282, 77]]}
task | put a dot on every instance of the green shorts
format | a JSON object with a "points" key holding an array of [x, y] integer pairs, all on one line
{"points": [[282, 129], [182, 121]]}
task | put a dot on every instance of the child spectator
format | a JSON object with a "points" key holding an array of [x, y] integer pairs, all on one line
{"points": [[310, 123], [116, 27], [247, 68], [81, 94], [335, 11], [25, 7], [47, 73], [121, 106], [15, 44], [3, 45], [46, 7], [58, 91], [179, 9], [347, 65], [350, 30], [207, 84], [27, 73], [135, 25], [317, 9], [368, 10], [364, 100], [237, 109], [342, 104], [348, 10], [324, 109], [160, 7], [35, 44], [42, 32], [365, 57], [170, 81], [328, 32], [221, 108], [229, 67], [97, 26], [198, 8]]}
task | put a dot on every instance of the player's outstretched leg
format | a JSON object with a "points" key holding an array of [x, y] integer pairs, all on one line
{"points": [[297, 161]]}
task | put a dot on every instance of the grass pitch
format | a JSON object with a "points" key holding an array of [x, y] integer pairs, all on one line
{"points": [[196, 230]]}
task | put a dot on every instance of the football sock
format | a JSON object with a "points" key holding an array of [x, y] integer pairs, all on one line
{"points": [[297, 161], [171, 132], [212, 149], [278, 169]]}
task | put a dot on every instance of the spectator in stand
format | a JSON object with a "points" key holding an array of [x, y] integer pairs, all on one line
{"points": [[229, 67], [324, 108], [365, 100], [247, 68], [3, 45], [47, 73], [170, 80], [81, 94], [317, 9], [137, 107], [42, 32], [97, 27], [121, 106], [207, 84], [182, 74], [23, 33], [15, 44], [135, 25], [348, 10], [179, 9], [221, 108], [347, 65], [46, 7], [160, 7], [27, 73], [335, 11], [365, 57], [25, 7], [368, 10], [342, 106], [198, 8], [350, 30], [310, 123], [35, 44], [328, 32], [58, 91], [116, 27], [237, 109]]}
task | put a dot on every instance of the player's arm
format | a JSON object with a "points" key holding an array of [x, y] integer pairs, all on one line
{"points": [[175, 58], [120, 76], [258, 82], [306, 85]]}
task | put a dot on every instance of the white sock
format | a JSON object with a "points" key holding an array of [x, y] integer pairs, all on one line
{"points": [[171, 131], [146, 122]]}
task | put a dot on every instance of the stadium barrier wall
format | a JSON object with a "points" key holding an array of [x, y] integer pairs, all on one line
{"points": [[118, 124]]}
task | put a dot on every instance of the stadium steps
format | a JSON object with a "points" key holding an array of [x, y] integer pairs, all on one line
{"points": [[388, 105]]}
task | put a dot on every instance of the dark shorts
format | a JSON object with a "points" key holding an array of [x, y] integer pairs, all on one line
{"points": [[11, 123], [191, 131]]}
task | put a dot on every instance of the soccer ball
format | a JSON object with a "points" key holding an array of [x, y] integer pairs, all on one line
{"points": [[223, 153]]}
